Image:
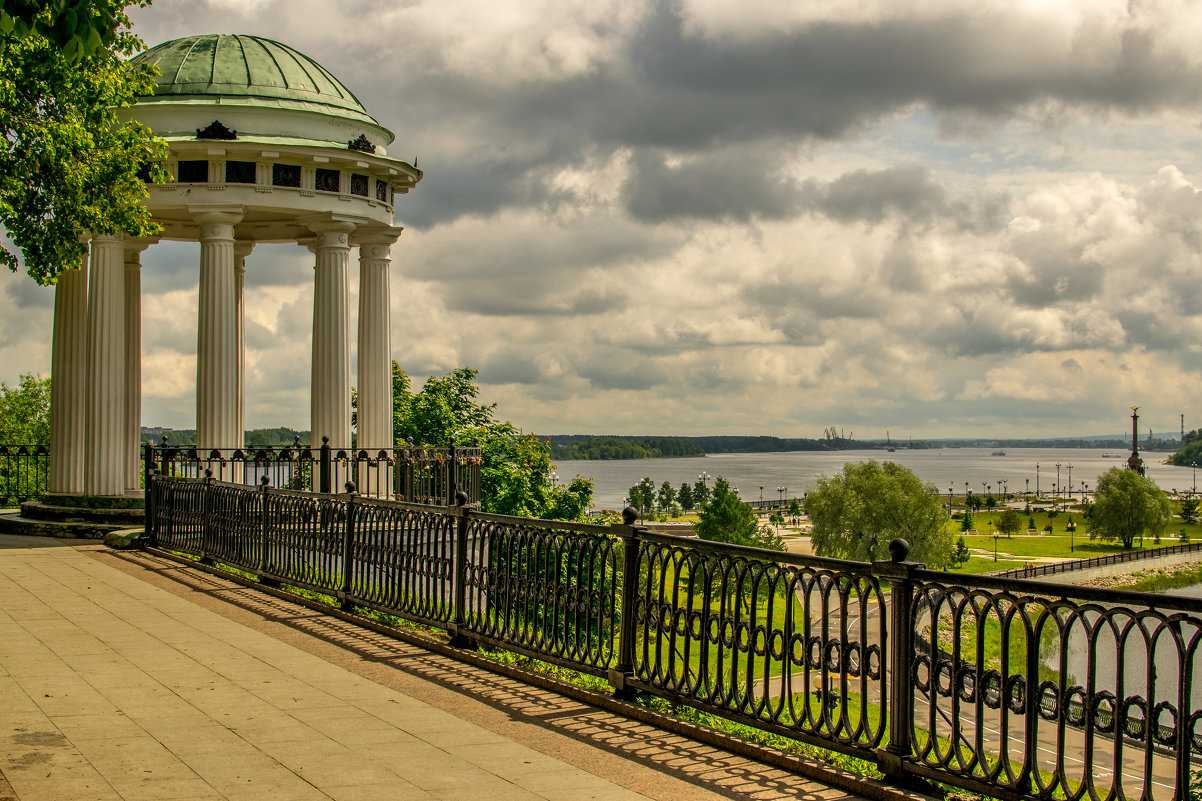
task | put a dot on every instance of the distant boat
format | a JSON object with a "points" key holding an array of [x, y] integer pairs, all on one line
{"points": [[893, 450], [998, 453]]}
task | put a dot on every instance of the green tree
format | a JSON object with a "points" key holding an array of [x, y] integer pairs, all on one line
{"points": [[726, 518], [1126, 505], [960, 555], [25, 412], [77, 28], [1031, 523], [701, 494], [794, 509], [666, 497], [684, 496], [966, 520], [1189, 509], [857, 512], [69, 163], [516, 474], [1009, 522]]}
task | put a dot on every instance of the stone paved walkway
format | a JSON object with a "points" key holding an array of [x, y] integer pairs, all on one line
{"points": [[129, 677]]}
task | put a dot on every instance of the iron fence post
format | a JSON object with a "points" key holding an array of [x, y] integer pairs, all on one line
{"points": [[206, 531], [323, 470], [458, 629], [149, 523], [263, 526], [620, 674], [407, 479], [452, 477], [348, 544], [894, 758]]}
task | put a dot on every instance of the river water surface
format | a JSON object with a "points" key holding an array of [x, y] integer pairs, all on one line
{"points": [[798, 471]]}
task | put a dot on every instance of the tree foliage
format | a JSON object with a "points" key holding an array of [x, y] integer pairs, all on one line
{"points": [[666, 498], [77, 27], [517, 474], [69, 163], [1009, 522], [726, 518], [857, 512], [25, 412], [642, 495], [1189, 509], [684, 496], [1126, 505]]}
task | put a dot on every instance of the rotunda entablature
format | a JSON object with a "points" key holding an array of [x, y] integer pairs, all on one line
{"points": [[276, 185]]}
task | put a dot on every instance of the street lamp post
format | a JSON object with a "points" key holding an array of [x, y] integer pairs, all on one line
{"points": [[1037, 481], [1056, 490], [1027, 491], [1070, 485], [761, 496]]}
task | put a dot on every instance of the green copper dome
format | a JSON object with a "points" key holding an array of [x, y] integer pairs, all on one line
{"points": [[248, 68]]}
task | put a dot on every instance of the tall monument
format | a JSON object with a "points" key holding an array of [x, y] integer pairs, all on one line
{"points": [[1134, 462]]}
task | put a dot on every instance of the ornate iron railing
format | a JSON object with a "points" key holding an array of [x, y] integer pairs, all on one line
{"points": [[1012, 688], [413, 474], [24, 473], [1070, 565]]}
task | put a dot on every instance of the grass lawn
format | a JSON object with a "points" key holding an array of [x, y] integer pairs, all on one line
{"points": [[985, 564], [1059, 543]]}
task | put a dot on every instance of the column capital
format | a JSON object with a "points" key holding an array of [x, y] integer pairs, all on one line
{"points": [[332, 231], [376, 236], [107, 239], [134, 248], [243, 247], [216, 222]]}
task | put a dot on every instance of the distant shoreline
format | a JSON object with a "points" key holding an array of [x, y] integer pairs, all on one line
{"points": [[581, 454]]}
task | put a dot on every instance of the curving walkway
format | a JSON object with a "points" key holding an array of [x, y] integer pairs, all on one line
{"points": [[130, 677]]}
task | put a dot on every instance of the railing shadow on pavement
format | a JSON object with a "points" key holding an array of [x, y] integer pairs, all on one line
{"points": [[697, 763]]}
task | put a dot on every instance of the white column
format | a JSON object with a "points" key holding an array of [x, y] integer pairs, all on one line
{"points": [[106, 463], [133, 362], [242, 249], [375, 358], [69, 379], [217, 336], [330, 411]]}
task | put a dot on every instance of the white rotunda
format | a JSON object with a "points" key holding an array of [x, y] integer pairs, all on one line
{"points": [[265, 145]]}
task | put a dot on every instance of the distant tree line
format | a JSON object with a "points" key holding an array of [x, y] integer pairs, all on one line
{"points": [[606, 447], [1190, 453], [254, 438], [617, 446]]}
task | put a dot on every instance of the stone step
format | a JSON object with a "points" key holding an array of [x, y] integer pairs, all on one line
{"points": [[132, 501], [16, 524], [122, 516]]}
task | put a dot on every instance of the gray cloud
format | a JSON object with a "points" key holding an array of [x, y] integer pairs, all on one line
{"points": [[635, 220], [731, 185]]}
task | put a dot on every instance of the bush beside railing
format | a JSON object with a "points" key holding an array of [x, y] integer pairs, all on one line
{"points": [[884, 661]]}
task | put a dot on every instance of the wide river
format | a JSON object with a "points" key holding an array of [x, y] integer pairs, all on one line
{"points": [[799, 471]]}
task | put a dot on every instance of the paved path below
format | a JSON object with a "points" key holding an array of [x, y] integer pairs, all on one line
{"points": [[130, 677]]}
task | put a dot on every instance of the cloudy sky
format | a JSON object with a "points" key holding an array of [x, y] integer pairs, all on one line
{"points": [[746, 216]]}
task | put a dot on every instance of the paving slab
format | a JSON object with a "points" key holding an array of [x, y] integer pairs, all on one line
{"points": [[127, 676]]}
